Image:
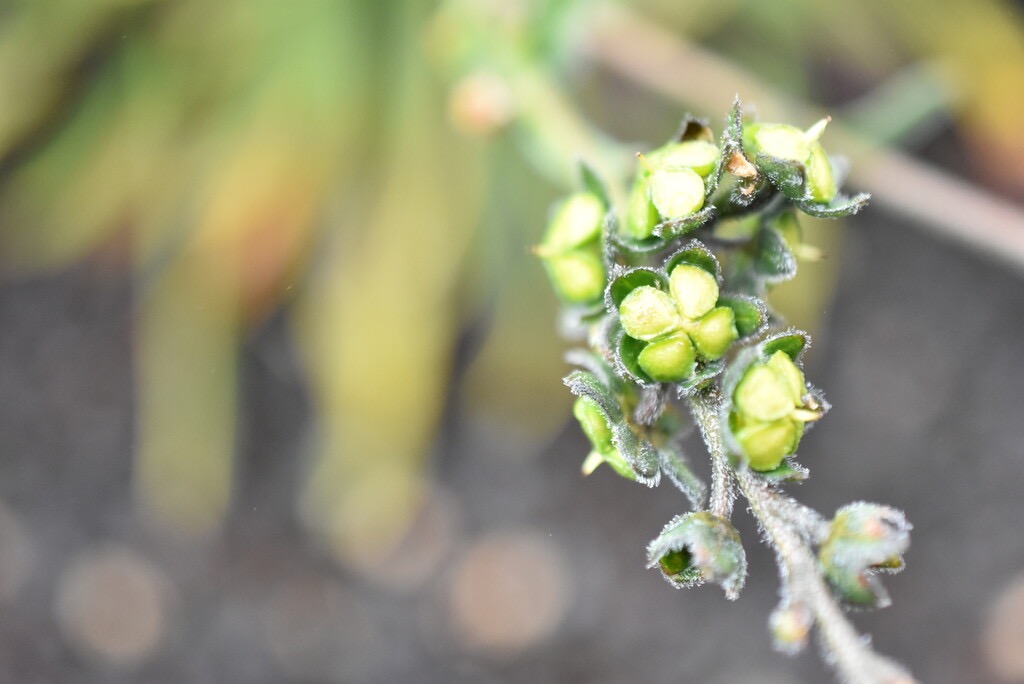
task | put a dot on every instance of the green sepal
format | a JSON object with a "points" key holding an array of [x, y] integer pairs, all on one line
{"points": [[774, 261], [673, 464], [627, 360], [785, 175], [695, 253], [838, 208], [793, 342], [640, 455], [624, 282], [751, 313], [594, 184], [675, 228], [701, 378], [700, 547], [787, 471], [747, 190]]}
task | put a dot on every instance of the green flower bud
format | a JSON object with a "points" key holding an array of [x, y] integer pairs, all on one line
{"points": [[676, 193], [694, 290], [699, 155], [641, 214], [670, 360], [578, 276], [576, 222], [647, 313], [699, 547], [802, 147], [715, 332]]}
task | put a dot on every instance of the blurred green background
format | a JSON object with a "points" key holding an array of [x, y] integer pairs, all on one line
{"points": [[280, 376]]}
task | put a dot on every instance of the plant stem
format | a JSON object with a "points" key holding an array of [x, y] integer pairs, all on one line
{"points": [[843, 646], [723, 491], [791, 528]]}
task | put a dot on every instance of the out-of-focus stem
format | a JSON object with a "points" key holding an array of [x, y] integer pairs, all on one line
{"points": [[648, 54]]}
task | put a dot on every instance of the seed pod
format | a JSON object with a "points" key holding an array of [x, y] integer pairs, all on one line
{"points": [[699, 547], [789, 143]]}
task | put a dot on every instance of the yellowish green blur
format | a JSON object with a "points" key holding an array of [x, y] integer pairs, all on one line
{"points": [[374, 173]]}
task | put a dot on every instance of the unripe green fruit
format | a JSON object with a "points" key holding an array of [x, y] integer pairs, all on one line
{"points": [[694, 290], [577, 221], [647, 313], [791, 144], [578, 276], [767, 444], [783, 366], [781, 141], [669, 360], [769, 391], [715, 332], [641, 215], [676, 193]]}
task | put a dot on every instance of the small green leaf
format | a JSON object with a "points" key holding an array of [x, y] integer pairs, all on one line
{"points": [[751, 313], [838, 208]]}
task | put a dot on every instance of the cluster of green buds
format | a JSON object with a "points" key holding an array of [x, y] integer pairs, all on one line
{"points": [[572, 249], [770, 406], [671, 184], [865, 540]]}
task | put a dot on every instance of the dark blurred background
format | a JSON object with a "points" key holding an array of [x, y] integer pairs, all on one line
{"points": [[280, 392]]}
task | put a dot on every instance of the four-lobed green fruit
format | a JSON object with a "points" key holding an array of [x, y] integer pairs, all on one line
{"points": [[669, 185], [769, 411], [791, 144], [681, 326]]}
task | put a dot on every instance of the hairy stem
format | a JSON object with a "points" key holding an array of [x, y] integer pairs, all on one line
{"points": [[791, 528], [848, 651], [723, 491]]}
